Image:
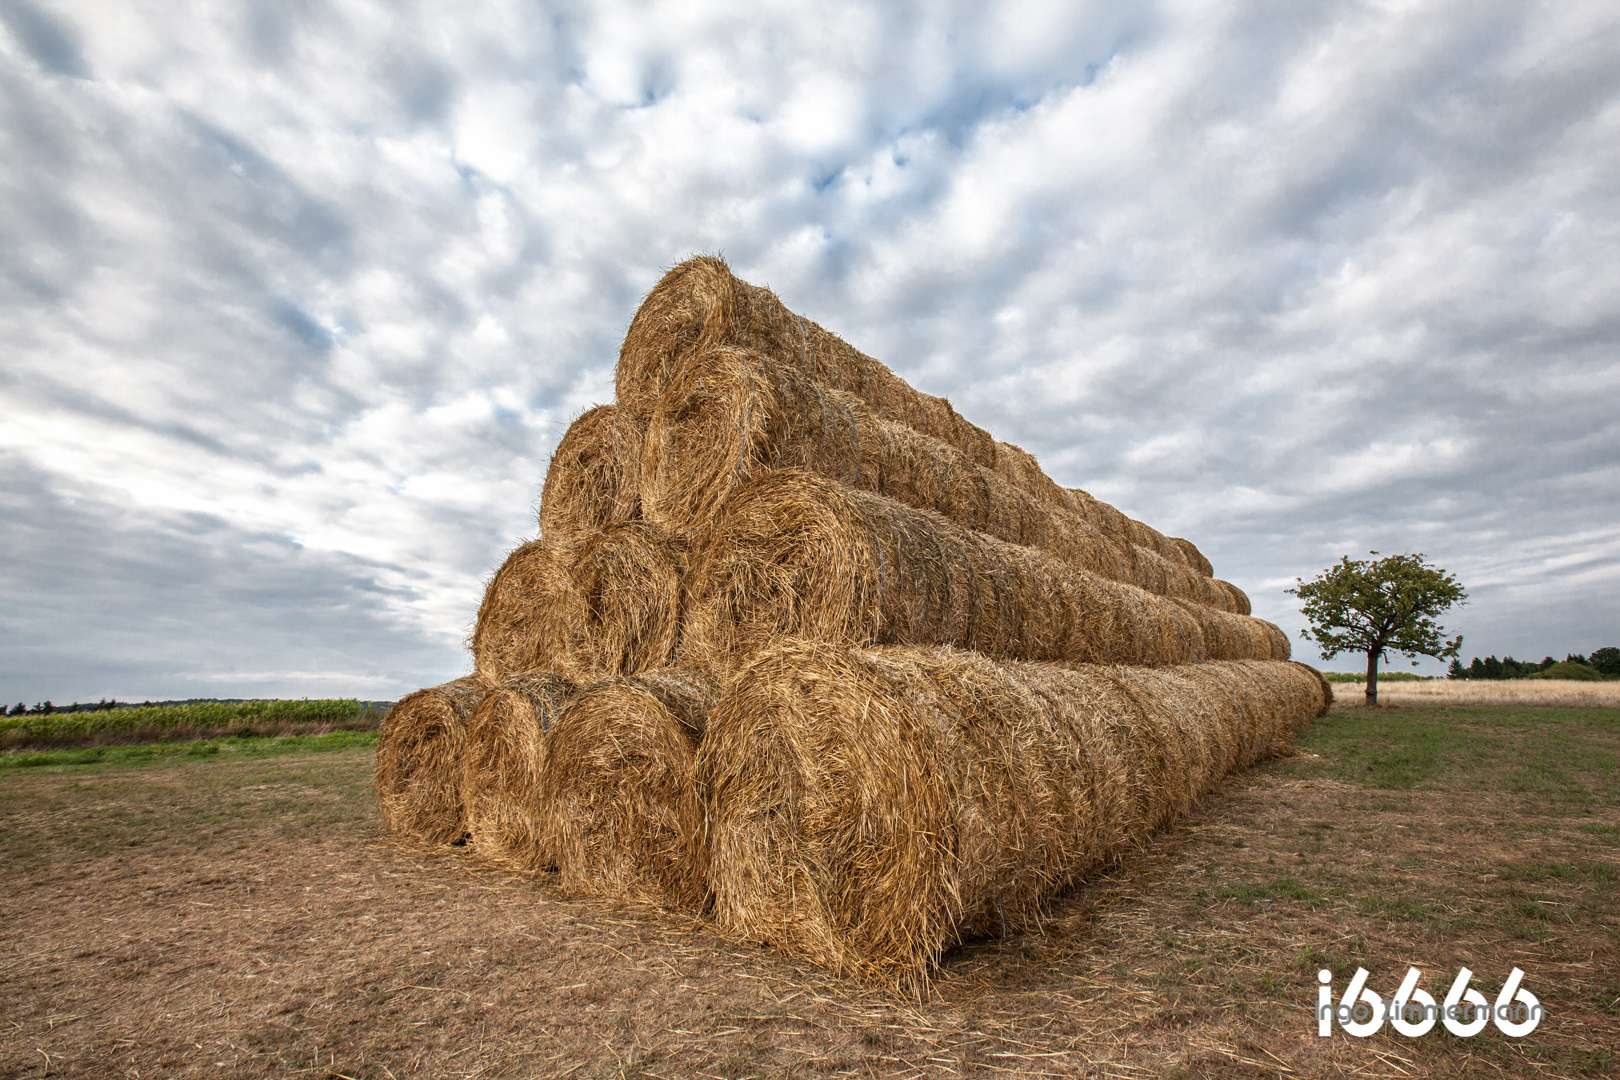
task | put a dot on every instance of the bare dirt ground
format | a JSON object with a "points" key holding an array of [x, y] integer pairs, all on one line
{"points": [[228, 918]]}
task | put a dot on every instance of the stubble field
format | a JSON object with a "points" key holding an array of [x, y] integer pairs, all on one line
{"points": [[227, 915]]}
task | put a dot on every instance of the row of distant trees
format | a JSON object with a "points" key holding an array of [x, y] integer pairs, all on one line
{"points": [[45, 707], [1605, 661]]}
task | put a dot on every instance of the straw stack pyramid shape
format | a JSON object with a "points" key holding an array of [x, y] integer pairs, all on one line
{"points": [[800, 649]]}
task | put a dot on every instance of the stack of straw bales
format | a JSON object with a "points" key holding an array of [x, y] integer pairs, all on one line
{"points": [[800, 648]]}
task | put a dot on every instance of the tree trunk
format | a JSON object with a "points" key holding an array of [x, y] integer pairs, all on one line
{"points": [[1372, 678]]}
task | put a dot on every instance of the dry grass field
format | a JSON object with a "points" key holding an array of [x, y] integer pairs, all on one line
{"points": [[232, 916], [1546, 693]]}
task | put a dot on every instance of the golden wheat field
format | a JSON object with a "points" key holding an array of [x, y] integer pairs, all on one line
{"points": [[1553, 693]]}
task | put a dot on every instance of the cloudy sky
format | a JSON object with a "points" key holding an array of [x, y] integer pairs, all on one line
{"points": [[297, 297]]}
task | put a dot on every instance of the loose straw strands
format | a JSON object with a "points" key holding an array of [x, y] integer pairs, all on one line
{"points": [[796, 555], [869, 807]]}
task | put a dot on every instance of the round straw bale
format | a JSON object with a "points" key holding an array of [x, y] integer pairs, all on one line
{"points": [[869, 807], [702, 317], [620, 807], [584, 489], [522, 622], [797, 555], [1126, 531], [730, 414], [501, 768], [623, 609], [700, 304], [419, 751], [1020, 469], [1327, 688], [1194, 557]]}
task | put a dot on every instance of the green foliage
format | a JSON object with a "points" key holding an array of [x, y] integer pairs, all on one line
{"points": [[1379, 607], [1386, 676], [1568, 669], [1575, 666], [207, 714]]}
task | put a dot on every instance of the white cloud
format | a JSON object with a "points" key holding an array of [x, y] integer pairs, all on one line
{"points": [[1338, 275]]}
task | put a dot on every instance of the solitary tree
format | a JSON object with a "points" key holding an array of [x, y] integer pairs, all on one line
{"points": [[1379, 607]]}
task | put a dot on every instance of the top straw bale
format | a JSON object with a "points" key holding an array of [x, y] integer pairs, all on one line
{"points": [[700, 304], [585, 486]]}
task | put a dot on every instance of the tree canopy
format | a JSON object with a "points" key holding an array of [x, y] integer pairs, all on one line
{"points": [[1378, 607]]}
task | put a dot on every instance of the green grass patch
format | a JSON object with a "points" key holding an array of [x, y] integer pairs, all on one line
{"points": [[1563, 755], [1557, 871], [148, 753], [1395, 908], [184, 796], [203, 714], [1279, 889]]}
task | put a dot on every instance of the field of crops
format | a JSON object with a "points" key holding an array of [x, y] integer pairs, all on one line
{"points": [[142, 722]]}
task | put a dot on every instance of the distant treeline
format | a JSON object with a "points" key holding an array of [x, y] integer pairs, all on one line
{"points": [[1603, 662], [256, 705]]}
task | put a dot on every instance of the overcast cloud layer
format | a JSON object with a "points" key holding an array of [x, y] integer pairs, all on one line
{"points": [[296, 298]]}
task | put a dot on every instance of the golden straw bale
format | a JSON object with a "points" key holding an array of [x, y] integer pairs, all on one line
{"points": [[522, 622], [585, 486], [730, 414], [1020, 469], [868, 808], [620, 807], [622, 613], [797, 555], [700, 304], [502, 768], [419, 751], [1194, 557]]}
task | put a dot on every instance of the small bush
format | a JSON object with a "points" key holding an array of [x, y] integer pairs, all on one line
{"points": [[1568, 669]]}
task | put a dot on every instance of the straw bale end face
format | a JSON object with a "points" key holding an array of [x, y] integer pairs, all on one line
{"points": [[522, 621], [1322, 683], [622, 613], [1194, 557], [585, 486], [693, 305], [730, 413], [419, 757], [619, 805], [826, 821], [502, 766], [784, 560]]}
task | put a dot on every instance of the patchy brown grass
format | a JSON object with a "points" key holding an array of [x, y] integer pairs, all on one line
{"points": [[218, 917], [1551, 693]]}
